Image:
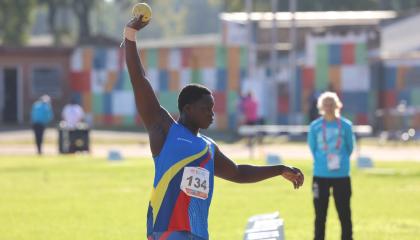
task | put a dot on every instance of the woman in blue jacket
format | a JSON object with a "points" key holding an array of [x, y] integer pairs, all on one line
{"points": [[330, 139], [41, 115]]}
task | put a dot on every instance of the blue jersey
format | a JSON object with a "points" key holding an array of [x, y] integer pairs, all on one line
{"points": [[331, 138], [183, 184]]}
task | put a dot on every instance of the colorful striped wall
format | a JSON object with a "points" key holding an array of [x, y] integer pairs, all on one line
{"points": [[400, 82], [100, 80], [338, 64]]}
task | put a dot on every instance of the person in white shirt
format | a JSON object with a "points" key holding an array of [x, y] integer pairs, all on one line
{"points": [[73, 114]]}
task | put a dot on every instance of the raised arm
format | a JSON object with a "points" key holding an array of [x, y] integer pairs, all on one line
{"points": [[156, 119], [227, 169], [146, 101]]}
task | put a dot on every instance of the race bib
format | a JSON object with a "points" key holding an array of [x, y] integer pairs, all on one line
{"points": [[195, 182], [333, 161]]}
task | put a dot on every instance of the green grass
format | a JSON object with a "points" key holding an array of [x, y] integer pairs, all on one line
{"points": [[80, 197]]}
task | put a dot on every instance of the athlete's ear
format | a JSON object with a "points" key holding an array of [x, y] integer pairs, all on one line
{"points": [[187, 108]]}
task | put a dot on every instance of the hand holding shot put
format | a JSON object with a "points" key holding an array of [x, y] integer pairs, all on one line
{"points": [[186, 161], [142, 14]]}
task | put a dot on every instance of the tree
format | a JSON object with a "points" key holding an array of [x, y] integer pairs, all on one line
{"points": [[53, 6], [15, 21], [82, 10], [175, 12], [196, 12]]}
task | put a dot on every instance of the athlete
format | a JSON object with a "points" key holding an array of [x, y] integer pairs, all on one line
{"points": [[185, 160]]}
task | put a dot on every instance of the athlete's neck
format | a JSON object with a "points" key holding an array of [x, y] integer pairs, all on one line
{"points": [[190, 126]]}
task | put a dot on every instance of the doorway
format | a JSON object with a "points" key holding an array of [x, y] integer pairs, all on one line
{"points": [[10, 95]]}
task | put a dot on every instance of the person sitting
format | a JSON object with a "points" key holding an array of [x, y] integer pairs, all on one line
{"points": [[73, 114]]}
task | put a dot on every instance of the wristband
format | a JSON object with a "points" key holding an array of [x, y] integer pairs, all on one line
{"points": [[130, 33]]}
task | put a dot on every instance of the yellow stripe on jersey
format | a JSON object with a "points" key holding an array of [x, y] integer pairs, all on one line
{"points": [[158, 193]]}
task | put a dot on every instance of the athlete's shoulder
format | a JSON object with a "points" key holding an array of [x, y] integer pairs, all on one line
{"points": [[175, 124], [208, 139]]}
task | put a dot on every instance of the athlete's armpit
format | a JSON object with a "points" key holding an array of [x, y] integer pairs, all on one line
{"points": [[159, 130]]}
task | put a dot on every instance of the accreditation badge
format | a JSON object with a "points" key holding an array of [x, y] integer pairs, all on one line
{"points": [[195, 182], [333, 161]]}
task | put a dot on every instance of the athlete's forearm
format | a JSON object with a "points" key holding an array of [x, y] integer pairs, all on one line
{"points": [[134, 64], [252, 174]]}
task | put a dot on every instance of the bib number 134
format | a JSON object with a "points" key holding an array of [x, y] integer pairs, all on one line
{"points": [[195, 182]]}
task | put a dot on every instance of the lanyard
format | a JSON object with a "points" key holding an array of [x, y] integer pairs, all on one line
{"points": [[324, 135]]}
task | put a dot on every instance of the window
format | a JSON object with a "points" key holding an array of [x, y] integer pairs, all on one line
{"points": [[46, 80]]}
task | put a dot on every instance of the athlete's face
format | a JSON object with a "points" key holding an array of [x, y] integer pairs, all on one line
{"points": [[202, 111]]}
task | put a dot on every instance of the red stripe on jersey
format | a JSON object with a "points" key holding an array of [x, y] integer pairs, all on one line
{"points": [[202, 164], [180, 219], [165, 235]]}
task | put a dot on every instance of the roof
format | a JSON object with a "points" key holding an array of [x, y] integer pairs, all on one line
{"points": [[96, 40], [187, 41], [100, 40], [401, 37], [313, 19], [5, 50]]}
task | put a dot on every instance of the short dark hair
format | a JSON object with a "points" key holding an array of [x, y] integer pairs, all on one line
{"points": [[190, 94]]}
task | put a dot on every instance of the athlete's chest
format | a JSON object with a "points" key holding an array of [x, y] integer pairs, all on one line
{"points": [[189, 145]]}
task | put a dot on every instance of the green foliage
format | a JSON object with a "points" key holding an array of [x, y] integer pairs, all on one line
{"points": [[201, 17], [81, 197], [83, 9], [53, 6], [15, 21], [170, 18]]}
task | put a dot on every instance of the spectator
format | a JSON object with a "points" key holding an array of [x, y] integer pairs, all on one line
{"points": [[41, 115], [313, 109], [250, 109], [240, 108], [330, 139], [73, 114]]}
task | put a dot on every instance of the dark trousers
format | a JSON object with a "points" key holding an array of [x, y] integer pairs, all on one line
{"points": [[38, 129], [342, 192]]}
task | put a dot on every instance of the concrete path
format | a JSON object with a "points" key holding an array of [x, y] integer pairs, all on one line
{"points": [[129, 144]]}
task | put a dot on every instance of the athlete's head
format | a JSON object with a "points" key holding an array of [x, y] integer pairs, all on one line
{"points": [[329, 103], [195, 103]]}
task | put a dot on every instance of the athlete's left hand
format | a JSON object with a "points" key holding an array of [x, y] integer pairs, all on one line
{"points": [[294, 175]]}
